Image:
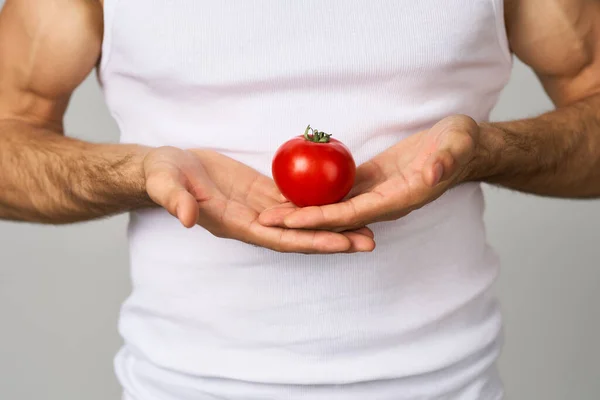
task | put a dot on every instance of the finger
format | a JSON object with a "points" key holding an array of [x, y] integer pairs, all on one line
{"points": [[275, 216], [187, 210], [299, 241], [359, 242], [457, 136], [342, 229], [356, 212], [365, 231], [432, 173], [166, 190], [229, 222], [439, 167]]}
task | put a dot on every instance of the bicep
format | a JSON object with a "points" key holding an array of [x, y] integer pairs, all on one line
{"points": [[560, 41], [47, 48]]}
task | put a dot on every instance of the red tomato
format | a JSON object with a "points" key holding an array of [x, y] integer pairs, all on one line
{"points": [[313, 170]]}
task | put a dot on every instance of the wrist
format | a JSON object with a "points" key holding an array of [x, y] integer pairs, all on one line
{"points": [[122, 179], [486, 154]]}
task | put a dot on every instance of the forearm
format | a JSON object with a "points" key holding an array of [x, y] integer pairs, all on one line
{"points": [[47, 177], [556, 154]]}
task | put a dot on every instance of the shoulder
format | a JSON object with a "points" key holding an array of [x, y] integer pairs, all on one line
{"points": [[553, 36]]}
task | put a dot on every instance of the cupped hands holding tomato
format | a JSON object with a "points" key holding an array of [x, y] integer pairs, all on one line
{"points": [[331, 202], [313, 169]]}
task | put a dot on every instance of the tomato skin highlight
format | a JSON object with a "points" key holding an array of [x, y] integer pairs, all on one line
{"points": [[313, 174]]}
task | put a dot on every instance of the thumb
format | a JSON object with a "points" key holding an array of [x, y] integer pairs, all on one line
{"points": [[166, 189], [456, 137], [438, 167]]}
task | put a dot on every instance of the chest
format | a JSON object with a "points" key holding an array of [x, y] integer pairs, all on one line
{"points": [[196, 42]]}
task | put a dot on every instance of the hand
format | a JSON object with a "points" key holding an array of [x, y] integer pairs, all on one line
{"points": [[405, 177], [226, 197]]}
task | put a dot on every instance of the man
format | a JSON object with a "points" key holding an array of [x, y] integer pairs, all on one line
{"points": [[204, 93]]}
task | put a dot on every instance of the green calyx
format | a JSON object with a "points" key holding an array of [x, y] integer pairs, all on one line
{"points": [[316, 136]]}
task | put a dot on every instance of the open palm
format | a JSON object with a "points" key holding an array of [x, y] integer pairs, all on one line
{"points": [[226, 197]]}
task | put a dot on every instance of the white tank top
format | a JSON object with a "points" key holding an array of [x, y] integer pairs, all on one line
{"points": [[211, 318]]}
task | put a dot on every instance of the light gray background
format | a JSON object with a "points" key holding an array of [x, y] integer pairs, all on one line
{"points": [[61, 287]]}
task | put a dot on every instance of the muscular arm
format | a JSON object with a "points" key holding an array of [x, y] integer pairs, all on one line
{"points": [[557, 153], [47, 48]]}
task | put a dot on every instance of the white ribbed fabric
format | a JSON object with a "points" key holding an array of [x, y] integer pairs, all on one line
{"points": [[210, 318]]}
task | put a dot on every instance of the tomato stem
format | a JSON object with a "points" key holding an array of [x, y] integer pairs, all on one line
{"points": [[316, 136]]}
